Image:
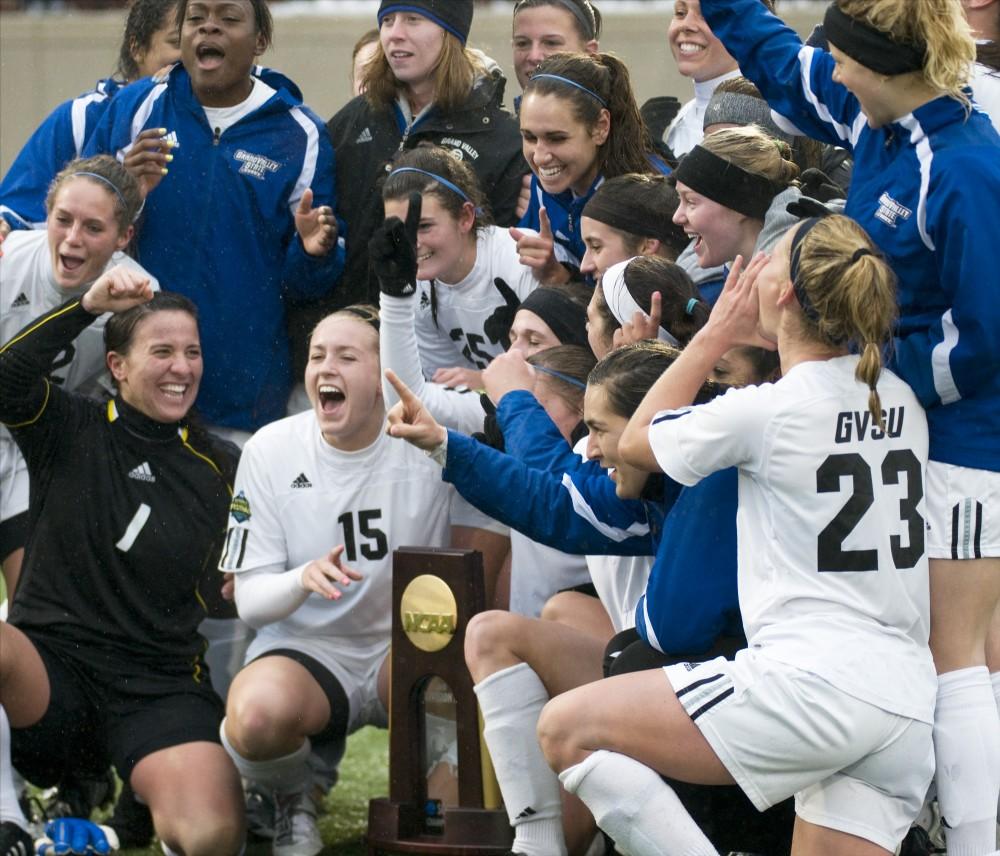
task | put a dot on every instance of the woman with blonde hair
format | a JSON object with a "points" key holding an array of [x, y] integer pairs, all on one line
{"points": [[833, 700], [423, 85], [925, 186]]}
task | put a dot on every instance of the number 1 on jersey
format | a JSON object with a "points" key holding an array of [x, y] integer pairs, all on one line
{"points": [[374, 551]]}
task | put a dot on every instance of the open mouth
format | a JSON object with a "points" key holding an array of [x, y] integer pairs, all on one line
{"points": [[330, 397], [174, 390], [70, 263], [209, 56], [689, 48], [549, 173], [424, 257]]}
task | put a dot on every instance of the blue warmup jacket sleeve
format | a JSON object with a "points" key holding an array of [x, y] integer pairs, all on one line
{"points": [[531, 436], [53, 144], [795, 79], [546, 506]]}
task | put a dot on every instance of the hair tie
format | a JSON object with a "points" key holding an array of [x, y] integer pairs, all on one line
{"points": [[689, 309], [623, 305], [861, 251], [580, 86], [572, 381], [108, 182], [454, 188]]}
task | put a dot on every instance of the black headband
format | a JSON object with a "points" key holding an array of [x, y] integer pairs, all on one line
{"points": [[795, 256], [585, 16], [631, 216], [566, 318], [872, 48], [724, 182]]}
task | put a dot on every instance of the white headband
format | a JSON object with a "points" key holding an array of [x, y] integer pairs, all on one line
{"points": [[621, 302]]}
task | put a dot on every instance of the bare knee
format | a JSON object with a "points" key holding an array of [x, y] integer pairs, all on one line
{"points": [[558, 606], [556, 734], [202, 836], [488, 642], [261, 724]]}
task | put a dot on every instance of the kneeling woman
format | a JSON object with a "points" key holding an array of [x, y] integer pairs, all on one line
{"points": [[101, 660], [322, 499], [833, 701]]}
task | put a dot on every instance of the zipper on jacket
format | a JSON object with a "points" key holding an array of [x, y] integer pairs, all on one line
{"points": [[215, 136]]}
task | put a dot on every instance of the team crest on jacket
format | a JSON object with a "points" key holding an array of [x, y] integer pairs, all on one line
{"points": [[239, 508], [889, 210], [255, 165]]}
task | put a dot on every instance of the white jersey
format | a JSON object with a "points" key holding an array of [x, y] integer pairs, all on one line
{"points": [[831, 524], [28, 290], [457, 337], [620, 582], [398, 350], [537, 572], [296, 497], [688, 126]]}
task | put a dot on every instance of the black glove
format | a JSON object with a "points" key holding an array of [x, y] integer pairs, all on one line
{"points": [[491, 434], [392, 252], [818, 185], [497, 326]]}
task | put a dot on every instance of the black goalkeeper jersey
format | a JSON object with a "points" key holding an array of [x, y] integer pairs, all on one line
{"points": [[126, 514]]}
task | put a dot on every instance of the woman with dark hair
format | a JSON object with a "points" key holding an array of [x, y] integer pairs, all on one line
{"points": [[580, 125], [100, 659], [150, 43], [423, 85], [545, 27]]}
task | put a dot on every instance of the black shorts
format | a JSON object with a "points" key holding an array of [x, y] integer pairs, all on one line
{"points": [[104, 709], [340, 708], [13, 534], [629, 652]]}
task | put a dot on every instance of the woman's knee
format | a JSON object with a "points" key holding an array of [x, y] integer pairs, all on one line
{"points": [[556, 732], [488, 640], [257, 718]]}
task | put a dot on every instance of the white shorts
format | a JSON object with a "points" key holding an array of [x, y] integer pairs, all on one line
{"points": [[963, 510], [13, 480], [358, 677], [780, 731]]}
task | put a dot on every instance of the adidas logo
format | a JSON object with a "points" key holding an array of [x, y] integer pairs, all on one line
{"points": [[171, 138], [425, 301], [302, 481], [142, 473], [528, 812], [20, 300], [364, 137]]}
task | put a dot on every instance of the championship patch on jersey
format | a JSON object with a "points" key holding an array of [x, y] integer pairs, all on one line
{"points": [[239, 508]]}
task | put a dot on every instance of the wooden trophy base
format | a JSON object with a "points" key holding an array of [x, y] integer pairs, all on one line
{"points": [[396, 828]]}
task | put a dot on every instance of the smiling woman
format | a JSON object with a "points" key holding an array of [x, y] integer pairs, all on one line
{"points": [[101, 662], [322, 500], [91, 205]]}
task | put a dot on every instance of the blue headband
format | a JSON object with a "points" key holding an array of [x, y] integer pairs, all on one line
{"points": [[454, 188], [572, 381], [579, 86], [117, 192], [691, 304]]}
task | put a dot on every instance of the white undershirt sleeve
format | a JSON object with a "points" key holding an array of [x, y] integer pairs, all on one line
{"points": [[269, 594], [460, 411]]}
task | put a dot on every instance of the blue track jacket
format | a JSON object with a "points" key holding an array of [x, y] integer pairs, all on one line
{"points": [[220, 229]]}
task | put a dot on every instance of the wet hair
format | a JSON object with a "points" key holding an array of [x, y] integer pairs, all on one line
{"points": [[606, 85], [938, 27], [120, 329], [570, 361], [639, 201], [586, 16], [439, 161], [112, 177], [455, 72], [628, 373], [755, 152], [684, 313], [261, 14], [366, 313], [852, 292], [145, 18]]}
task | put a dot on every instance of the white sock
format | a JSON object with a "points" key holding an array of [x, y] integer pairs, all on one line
{"points": [[635, 807], [511, 701], [995, 681], [967, 746], [10, 809], [286, 774]]}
